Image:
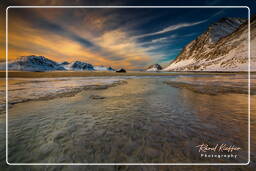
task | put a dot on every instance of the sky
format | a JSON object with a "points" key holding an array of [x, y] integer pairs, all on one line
{"points": [[132, 38]]}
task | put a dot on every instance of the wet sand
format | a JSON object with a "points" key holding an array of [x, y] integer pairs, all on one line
{"points": [[144, 120], [213, 85], [26, 74]]}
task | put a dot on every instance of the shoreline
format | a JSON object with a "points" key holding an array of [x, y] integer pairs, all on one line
{"points": [[28, 74]]}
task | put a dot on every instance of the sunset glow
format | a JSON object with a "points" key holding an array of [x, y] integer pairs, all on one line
{"points": [[129, 38]]}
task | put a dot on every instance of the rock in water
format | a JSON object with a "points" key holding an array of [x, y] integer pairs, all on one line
{"points": [[121, 70]]}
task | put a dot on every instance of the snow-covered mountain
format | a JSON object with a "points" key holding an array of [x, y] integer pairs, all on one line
{"points": [[223, 47], [32, 63], [41, 63], [64, 63], [223, 28], [154, 68], [77, 66], [103, 68]]}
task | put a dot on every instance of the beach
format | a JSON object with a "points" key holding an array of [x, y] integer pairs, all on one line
{"points": [[138, 120]]}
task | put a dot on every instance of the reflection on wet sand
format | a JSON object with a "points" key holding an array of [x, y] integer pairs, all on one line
{"points": [[144, 120], [214, 85], [225, 115]]}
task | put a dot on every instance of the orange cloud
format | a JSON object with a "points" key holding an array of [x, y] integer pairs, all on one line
{"points": [[119, 48]]}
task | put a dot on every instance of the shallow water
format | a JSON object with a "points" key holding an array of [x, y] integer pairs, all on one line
{"points": [[25, 89], [142, 121]]}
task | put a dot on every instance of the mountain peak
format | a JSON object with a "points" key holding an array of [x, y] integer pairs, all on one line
{"points": [[154, 67], [32, 59], [33, 63], [224, 27], [223, 47], [78, 65]]}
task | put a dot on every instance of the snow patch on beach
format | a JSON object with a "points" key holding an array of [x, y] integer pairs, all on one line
{"points": [[24, 89]]}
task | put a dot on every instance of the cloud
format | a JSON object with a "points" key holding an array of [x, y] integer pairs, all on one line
{"points": [[171, 28], [218, 13], [100, 37], [119, 43], [162, 41], [49, 37]]}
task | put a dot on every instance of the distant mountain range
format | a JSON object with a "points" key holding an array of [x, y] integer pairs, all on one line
{"points": [[41, 63], [77, 66], [223, 47]]}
